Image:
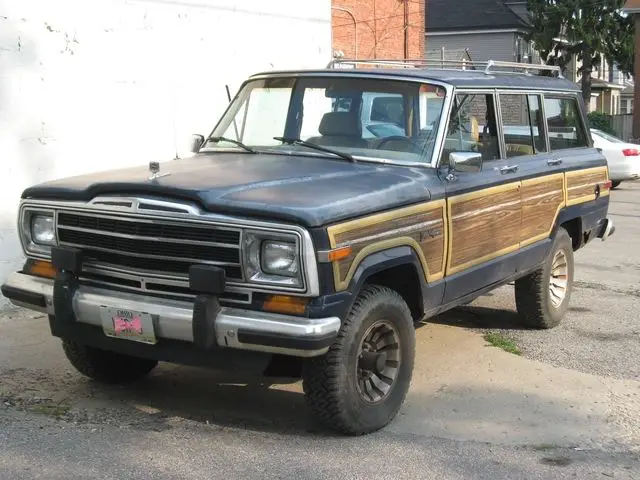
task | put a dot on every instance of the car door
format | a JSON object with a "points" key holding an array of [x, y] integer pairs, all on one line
{"points": [[483, 207], [541, 171], [585, 167]]}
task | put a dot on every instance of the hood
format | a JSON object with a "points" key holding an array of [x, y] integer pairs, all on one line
{"points": [[308, 190]]}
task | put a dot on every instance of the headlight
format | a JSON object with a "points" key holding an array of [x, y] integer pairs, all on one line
{"points": [[37, 231], [279, 258], [272, 259], [42, 231]]}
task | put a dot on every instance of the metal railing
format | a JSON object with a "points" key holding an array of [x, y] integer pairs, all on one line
{"points": [[489, 67]]}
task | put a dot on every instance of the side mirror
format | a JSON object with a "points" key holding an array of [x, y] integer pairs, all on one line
{"points": [[470, 162], [196, 142]]}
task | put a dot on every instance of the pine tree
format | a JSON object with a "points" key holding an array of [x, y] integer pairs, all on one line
{"points": [[587, 29]]}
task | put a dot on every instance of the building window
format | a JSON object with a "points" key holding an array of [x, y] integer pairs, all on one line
{"points": [[523, 50], [628, 106]]}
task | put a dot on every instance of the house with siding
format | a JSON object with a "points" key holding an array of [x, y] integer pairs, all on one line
{"points": [[486, 29], [480, 30]]}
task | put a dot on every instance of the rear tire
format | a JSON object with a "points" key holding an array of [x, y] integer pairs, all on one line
{"points": [[615, 184], [542, 297], [105, 366], [359, 385]]}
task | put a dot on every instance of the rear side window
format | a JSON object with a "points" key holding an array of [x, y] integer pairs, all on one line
{"points": [[522, 124], [566, 129]]}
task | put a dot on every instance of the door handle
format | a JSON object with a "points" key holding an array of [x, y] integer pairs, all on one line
{"points": [[552, 162], [509, 169]]}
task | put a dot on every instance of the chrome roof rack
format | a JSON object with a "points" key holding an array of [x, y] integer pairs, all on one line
{"points": [[489, 67]]}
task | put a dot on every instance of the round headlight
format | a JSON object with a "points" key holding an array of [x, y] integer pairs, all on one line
{"points": [[279, 258], [42, 231]]}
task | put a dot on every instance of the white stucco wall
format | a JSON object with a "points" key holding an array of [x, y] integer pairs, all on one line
{"points": [[93, 85]]}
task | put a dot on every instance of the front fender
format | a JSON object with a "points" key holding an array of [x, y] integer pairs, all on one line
{"points": [[376, 264], [385, 260]]}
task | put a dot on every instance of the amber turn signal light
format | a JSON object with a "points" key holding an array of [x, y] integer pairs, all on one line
{"points": [[339, 254], [285, 304], [40, 268]]}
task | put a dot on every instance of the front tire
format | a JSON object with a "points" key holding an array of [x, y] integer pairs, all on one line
{"points": [[542, 297], [104, 366], [615, 184], [359, 385]]}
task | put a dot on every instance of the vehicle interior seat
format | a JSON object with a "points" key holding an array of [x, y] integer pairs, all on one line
{"points": [[518, 149], [487, 143], [340, 129]]}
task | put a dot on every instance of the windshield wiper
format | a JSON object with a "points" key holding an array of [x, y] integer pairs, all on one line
{"points": [[304, 143], [235, 142]]}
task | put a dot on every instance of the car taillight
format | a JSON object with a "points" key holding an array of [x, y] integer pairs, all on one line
{"points": [[607, 185], [630, 152]]}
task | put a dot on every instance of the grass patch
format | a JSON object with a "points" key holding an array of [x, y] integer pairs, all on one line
{"points": [[543, 447], [500, 341], [51, 410]]}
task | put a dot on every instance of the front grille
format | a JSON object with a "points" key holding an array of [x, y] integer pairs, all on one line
{"points": [[150, 246], [158, 288], [151, 228]]}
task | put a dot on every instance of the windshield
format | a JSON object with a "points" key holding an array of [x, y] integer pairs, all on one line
{"points": [[366, 118], [606, 136]]}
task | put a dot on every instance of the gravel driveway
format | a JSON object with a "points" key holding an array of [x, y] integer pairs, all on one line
{"points": [[601, 332]]}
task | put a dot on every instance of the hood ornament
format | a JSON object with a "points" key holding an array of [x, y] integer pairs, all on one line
{"points": [[154, 168]]}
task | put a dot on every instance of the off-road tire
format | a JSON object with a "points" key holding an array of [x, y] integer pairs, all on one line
{"points": [[329, 381], [533, 296], [615, 184], [104, 366]]}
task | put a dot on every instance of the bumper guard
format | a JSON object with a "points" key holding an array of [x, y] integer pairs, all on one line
{"points": [[174, 319]]}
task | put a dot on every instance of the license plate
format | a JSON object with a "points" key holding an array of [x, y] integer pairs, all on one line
{"points": [[127, 324]]}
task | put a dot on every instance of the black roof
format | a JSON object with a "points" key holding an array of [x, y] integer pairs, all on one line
{"points": [[451, 15], [456, 78]]}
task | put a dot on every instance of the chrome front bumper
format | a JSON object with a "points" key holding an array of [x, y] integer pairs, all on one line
{"points": [[173, 319]]}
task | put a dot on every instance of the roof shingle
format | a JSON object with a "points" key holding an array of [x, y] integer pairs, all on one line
{"points": [[451, 15]]}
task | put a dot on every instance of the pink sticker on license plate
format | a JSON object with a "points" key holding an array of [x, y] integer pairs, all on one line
{"points": [[123, 325], [127, 324]]}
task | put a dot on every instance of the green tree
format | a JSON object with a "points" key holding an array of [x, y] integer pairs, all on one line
{"points": [[587, 29]]}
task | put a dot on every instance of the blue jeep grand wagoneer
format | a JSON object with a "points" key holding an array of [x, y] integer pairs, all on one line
{"points": [[325, 214]]}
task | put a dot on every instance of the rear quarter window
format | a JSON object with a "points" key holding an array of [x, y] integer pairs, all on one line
{"points": [[564, 121]]}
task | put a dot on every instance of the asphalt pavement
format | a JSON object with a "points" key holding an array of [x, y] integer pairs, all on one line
{"points": [[566, 408]]}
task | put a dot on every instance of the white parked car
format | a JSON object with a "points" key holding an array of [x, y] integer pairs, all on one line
{"points": [[623, 157]]}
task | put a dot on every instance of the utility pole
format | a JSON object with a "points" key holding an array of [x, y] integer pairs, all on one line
{"points": [[632, 7]]}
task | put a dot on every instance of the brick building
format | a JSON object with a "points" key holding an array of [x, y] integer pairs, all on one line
{"points": [[378, 29]]}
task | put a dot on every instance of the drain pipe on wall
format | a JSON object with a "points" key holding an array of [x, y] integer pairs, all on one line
{"points": [[406, 29], [355, 29]]}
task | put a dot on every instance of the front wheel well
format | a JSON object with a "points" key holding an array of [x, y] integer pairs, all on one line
{"points": [[405, 280], [574, 229]]}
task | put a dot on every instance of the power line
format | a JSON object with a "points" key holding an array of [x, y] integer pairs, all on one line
{"points": [[376, 19], [410, 12]]}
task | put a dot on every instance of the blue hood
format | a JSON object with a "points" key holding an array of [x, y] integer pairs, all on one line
{"points": [[308, 190]]}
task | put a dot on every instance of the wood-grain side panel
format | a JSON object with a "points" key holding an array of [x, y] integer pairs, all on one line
{"points": [[434, 248], [421, 227], [581, 184], [542, 199], [484, 225]]}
